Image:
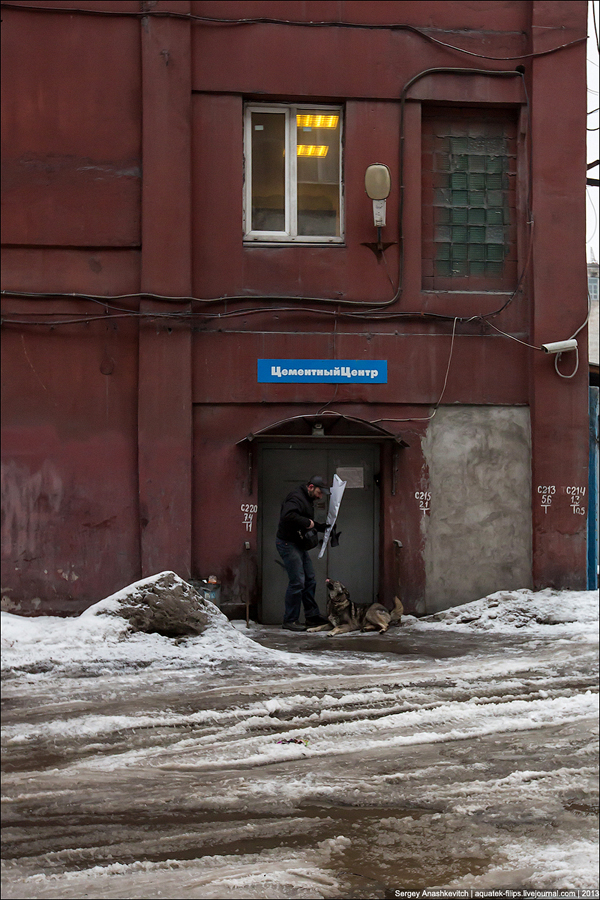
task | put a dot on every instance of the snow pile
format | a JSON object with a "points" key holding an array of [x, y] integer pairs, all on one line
{"points": [[543, 612], [164, 604], [133, 628], [161, 622]]}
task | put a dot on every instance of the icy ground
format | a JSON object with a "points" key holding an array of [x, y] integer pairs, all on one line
{"points": [[455, 752]]}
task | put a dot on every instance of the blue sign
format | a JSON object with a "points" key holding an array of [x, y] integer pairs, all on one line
{"points": [[322, 371]]}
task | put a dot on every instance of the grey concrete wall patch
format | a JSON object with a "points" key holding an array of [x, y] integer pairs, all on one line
{"points": [[477, 536]]}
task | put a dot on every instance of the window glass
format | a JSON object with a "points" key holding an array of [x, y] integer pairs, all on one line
{"points": [[268, 171], [295, 194], [318, 172]]}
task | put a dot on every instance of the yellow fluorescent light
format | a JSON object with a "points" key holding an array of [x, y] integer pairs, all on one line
{"points": [[312, 150], [321, 121]]}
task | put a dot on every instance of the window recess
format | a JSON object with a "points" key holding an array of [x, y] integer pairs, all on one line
{"points": [[469, 168], [293, 174]]}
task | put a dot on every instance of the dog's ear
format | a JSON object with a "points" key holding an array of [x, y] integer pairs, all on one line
{"points": [[346, 591]]}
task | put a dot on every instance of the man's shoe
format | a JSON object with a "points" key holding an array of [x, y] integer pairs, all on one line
{"points": [[293, 626], [313, 621]]}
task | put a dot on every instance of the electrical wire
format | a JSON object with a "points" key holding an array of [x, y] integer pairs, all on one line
{"points": [[368, 311], [163, 298], [587, 318], [266, 20], [321, 411], [589, 241], [513, 338], [342, 302], [558, 355], [244, 311], [574, 372], [435, 409], [4, 320]]}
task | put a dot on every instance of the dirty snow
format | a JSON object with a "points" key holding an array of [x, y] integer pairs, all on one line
{"points": [[507, 612], [457, 752]]}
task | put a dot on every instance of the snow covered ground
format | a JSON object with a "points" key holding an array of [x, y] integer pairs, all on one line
{"points": [[456, 752]]}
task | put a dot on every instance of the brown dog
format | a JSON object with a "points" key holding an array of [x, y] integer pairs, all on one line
{"points": [[347, 616]]}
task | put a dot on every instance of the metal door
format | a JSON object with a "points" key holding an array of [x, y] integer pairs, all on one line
{"points": [[355, 560]]}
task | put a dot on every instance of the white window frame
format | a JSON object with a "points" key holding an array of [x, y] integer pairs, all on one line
{"points": [[290, 235]]}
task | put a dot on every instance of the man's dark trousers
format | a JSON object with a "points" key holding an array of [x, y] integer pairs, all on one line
{"points": [[302, 582]]}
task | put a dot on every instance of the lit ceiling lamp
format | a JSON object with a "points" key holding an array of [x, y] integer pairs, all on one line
{"points": [[312, 150], [320, 121]]}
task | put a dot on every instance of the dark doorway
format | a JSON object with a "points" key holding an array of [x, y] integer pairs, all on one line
{"points": [[356, 560]]}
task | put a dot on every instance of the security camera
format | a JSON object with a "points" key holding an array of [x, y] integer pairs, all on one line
{"points": [[560, 346]]}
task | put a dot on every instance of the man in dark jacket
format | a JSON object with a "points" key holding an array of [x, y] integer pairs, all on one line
{"points": [[296, 518]]}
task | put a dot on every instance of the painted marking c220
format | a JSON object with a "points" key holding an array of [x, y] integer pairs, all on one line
{"points": [[249, 510]]}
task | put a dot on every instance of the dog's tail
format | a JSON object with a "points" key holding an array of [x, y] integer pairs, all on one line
{"points": [[396, 614]]}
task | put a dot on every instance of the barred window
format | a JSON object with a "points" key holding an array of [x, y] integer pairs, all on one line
{"points": [[469, 199]]}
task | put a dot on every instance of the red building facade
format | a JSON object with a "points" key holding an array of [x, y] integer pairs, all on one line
{"points": [[184, 196]]}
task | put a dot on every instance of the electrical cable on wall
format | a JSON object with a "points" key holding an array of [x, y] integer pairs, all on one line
{"points": [[366, 308], [435, 409], [265, 20], [574, 335], [367, 311]]}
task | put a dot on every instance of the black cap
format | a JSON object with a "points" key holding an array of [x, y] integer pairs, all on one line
{"points": [[319, 482]]}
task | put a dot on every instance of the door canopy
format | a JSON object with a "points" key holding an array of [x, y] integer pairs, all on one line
{"points": [[325, 425]]}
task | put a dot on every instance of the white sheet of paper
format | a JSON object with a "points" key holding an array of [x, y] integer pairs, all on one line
{"points": [[335, 498]]}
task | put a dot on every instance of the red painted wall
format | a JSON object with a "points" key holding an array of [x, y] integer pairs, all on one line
{"points": [[123, 172], [71, 188]]}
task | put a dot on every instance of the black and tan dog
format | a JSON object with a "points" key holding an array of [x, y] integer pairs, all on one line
{"points": [[346, 616]]}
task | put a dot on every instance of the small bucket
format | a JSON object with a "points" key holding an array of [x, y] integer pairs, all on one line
{"points": [[211, 590]]}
